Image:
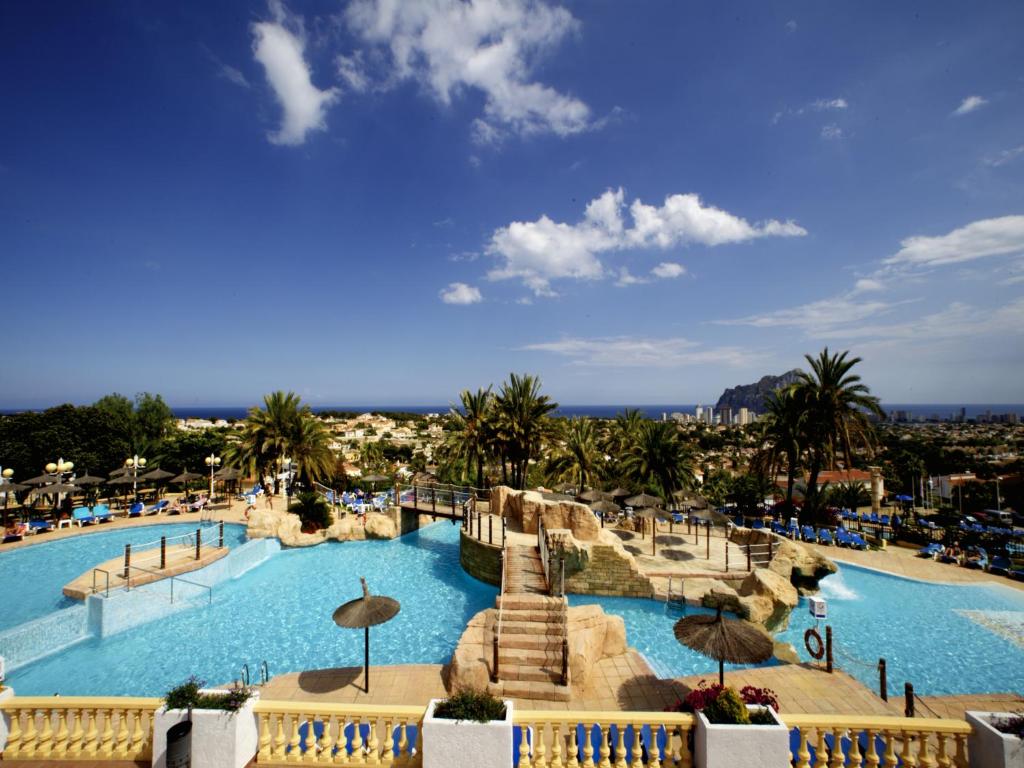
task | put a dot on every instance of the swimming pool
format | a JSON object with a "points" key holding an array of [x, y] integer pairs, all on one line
{"points": [[280, 612], [31, 578]]}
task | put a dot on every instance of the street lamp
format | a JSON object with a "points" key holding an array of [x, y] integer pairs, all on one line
{"points": [[286, 466], [212, 461], [59, 468], [134, 464]]}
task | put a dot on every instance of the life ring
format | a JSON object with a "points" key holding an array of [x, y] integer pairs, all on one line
{"points": [[815, 648]]}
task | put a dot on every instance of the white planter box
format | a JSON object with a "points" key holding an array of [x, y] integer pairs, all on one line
{"points": [[464, 744], [5, 719], [741, 746], [220, 739], [990, 748]]}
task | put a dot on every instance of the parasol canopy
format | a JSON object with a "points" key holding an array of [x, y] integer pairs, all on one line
{"points": [[722, 639], [365, 612], [594, 495], [375, 478], [41, 480], [186, 477], [12, 487], [87, 480], [605, 507], [123, 480], [46, 490], [227, 473], [644, 500], [156, 474], [618, 493]]}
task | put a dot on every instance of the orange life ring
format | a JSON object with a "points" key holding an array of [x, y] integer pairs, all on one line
{"points": [[817, 649]]}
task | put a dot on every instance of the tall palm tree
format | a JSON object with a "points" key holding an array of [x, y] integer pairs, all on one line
{"points": [[660, 459], [522, 426], [467, 438], [836, 407], [782, 437], [578, 457], [282, 426]]}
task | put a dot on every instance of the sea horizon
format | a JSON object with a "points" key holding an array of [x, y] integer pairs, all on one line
{"points": [[603, 411]]}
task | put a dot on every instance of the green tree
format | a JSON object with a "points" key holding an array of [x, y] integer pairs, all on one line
{"points": [[836, 409], [781, 433], [154, 419], [467, 436], [659, 459], [577, 458], [313, 511], [717, 487], [522, 426]]}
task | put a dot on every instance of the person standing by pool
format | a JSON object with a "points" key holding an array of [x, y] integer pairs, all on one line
{"points": [[269, 498], [250, 504]]}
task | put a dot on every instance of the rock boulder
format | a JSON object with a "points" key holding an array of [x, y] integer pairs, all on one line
{"points": [[767, 598], [380, 526]]}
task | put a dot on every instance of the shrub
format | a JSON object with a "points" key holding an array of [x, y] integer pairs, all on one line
{"points": [[708, 697], [478, 706], [1012, 725], [727, 707], [188, 696], [313, 511]]}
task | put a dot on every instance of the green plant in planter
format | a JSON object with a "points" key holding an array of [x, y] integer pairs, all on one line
{"points": [[727, 707], [1012, 725], [478, 706], [189, 696]]}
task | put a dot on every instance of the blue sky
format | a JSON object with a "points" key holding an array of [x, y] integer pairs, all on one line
{"points": [[642, 202]]}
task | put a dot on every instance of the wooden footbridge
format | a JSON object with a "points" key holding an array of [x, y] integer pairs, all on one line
{"points": [[452, 502]]}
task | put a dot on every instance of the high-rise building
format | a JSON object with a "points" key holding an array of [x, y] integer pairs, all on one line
{"points": [[725, 415], [743, 417]]}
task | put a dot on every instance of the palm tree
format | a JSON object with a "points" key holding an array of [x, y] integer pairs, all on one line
{"points": [[283, 426], [578, 457], [659, 459], [782, 437], [467, 439], [521, 426], [836, 408]]}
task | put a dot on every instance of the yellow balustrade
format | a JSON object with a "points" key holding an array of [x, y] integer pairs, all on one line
{"points": [[338, 734], [550, 739], [871, 742], [53, 728]]}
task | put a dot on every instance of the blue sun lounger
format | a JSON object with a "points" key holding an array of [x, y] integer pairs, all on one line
{"points": [[102, 513], [82, 516], [807, 532], [136, 509], [39, 526], [157, 508], [932, 551], [999, 564], [824, 536]]}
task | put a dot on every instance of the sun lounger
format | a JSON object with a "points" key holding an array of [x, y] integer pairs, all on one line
{"points": [[136, 509], [102, 513], [999, 564], [10, 538], [824, 536], [83, 516], [977, 559], [932, 551], [808, 533], [157, 508], [39, 526]]}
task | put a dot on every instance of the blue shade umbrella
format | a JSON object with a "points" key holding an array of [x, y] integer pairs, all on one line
{"points": [[903, 497]]}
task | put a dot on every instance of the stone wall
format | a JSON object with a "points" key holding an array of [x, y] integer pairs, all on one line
{"points": [[480, 560], [601, 567]]}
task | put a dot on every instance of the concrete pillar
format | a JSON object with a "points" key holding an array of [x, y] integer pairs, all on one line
{"points": [[876, 489]]}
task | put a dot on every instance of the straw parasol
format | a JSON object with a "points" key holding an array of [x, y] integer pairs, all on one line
{"points": [[84, 480], [651, 513], [618, 493], [365, 612], [227, 473], [644, 500], [722, 639], [156, 475], [41, 480], [46, 490], [594, 495], [605, 507]]}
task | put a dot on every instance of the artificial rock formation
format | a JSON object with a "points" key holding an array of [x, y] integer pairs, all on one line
{"points": [[525, 508], [270, 523]]}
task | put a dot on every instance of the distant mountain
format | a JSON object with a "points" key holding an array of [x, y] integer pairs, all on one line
{"points": [[751, 396]]}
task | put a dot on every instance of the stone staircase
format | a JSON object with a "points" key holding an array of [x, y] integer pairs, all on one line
{"points": [[532, 632]]}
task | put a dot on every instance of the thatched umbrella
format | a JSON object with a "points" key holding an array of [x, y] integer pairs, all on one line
{"points": [[227, 475], [732, 640], [184, 479], [365, 612], [156, 475], [644, 500], [84, 480], [649, 513], [618, 493], [594, 495], [41, 480], [46, 490], [605, 508]]}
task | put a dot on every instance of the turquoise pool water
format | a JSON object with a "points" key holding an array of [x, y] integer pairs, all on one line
{"points": [[944, 639], [31, 578]]}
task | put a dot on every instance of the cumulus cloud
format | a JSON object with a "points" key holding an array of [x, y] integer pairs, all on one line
{"points": [[979, 239], [449, 46], [866, 284], [352, 71], [626, 279], [279, 45], [668, 270], [828, 104], [642, 352], [461, 293], [540, 251], [970, 104]]}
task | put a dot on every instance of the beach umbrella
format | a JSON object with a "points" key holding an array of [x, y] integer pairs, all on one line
{"points": [[41, 480], [644, 500], [722, 639], [365, 612], [604, 508], [375, 478], [227, 473], [10, 487], [594, 495], [84, 480], [119, 472], [46, 490], [156, 475], [185, 478], [122, 480], [650, 513], [618, 493]]}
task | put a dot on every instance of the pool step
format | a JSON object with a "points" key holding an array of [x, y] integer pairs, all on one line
{"points": [[517, 673], [544, 628], [531, 689], [531, 643], [550, 657], [527, 602], [543, 615]]}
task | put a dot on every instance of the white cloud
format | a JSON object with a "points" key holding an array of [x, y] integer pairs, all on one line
{"points": [[822, 105], [640, 352], [970, 104], [866, 284], [834, 104], [461, 293], [958, 320], [626, 279], [449, 46], [233, 75], [987, 237], [352, 71], [279, 45], [831, 131], [825, 313], [668, 270], [540, 251], [1004, 156]]}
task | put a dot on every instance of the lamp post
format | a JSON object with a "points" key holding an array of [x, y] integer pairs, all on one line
{"points": [[59, 468], [286, 467], [134, 464], [6, 476], [212, 461]]}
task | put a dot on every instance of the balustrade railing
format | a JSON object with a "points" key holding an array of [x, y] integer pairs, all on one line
{"points": [[855, 740], [45, 728], [338, 734], [588, 739]]}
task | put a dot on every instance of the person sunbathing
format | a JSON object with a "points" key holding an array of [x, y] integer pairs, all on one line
{"points": [[15, 529]]}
